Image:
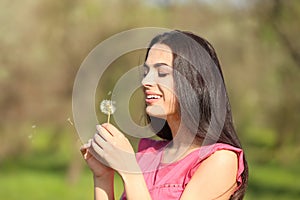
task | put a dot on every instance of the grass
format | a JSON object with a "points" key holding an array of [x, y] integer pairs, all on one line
{"points": [[273, 181], [266, 182], [42, 174], [29, 184], [36, 185]]}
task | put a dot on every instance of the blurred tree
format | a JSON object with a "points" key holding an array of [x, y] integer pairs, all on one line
{"points": [[43, 42], [280, 20]]}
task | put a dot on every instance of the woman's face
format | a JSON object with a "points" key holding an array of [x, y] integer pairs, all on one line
{"points": [[158, 82]]}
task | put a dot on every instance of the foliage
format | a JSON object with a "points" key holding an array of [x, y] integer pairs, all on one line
{"points": [[43, 43]]}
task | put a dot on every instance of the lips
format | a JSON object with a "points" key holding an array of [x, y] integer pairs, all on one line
{"points": [[152, 97]]}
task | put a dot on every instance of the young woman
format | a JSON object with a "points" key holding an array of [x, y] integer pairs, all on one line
{"points": [[199, 156]]}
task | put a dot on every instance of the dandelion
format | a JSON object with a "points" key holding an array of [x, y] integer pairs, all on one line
{"points": [[30, 136], [108, 107], [69, 120]]}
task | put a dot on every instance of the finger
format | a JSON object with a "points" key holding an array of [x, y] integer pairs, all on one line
{"points": [[112, 130], [85, 146], [107, 136], [87, 155], [100, 141], [98, 153], [96, 150]]}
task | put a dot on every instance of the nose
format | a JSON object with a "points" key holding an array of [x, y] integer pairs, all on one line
{"points": [[149, 80]]}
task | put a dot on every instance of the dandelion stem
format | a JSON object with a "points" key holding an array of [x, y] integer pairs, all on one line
{"points": [[108, 117]]}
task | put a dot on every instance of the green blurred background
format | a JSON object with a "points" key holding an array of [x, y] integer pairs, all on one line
{"points": [[43, 43]]}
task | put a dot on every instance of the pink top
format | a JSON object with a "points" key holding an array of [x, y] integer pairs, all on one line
{"points": [[168, 181]]}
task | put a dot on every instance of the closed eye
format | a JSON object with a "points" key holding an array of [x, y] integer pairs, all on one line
{"points": [[164, 70], [162, 74]]}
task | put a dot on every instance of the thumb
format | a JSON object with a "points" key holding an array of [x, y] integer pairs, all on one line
{"points": [[84, 147]]}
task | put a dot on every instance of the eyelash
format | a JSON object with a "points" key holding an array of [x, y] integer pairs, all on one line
{"points": [[160, 74]]}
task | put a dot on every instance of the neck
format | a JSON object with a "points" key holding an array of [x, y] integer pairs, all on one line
{"points": [[174, 123], [183, 140], [180, 133]]}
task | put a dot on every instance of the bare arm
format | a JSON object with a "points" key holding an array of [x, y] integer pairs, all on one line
{"points": [[135, 186], [104, 187], [103, 175], [215, 178], [114, 149]]}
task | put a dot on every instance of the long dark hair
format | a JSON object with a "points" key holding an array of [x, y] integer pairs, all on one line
{"points": [[193, 56]]}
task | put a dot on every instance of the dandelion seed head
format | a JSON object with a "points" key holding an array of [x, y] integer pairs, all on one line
{"points": [[108, 107], [69, 120]]}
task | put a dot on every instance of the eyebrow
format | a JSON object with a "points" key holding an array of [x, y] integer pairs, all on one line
{"points": [[156, 65]]}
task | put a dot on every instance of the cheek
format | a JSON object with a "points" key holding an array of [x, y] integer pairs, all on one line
{"points": [[169, 93], [170, 101], [167, 88], [167, 83], [173, 103]]}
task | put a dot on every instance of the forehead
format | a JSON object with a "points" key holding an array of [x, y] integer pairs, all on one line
{"points": [[160, 53]]}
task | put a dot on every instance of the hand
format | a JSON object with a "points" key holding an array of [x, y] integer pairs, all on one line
{"points": [[98, 169], [114, 149]]}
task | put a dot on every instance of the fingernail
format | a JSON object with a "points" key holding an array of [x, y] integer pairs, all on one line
{"points": [[98, 127], [104, 125]]}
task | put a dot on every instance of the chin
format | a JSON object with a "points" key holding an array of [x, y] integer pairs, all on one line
{"points": [[156, 111]]}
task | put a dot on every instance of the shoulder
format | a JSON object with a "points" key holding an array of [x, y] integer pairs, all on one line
{"points": [[222, 158], [218, 149], [219, 162], [217, 173]]}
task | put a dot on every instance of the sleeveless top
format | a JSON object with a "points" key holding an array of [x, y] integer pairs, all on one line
{"points": [[168, 180]]}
